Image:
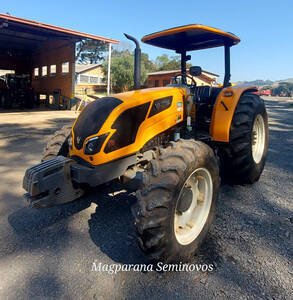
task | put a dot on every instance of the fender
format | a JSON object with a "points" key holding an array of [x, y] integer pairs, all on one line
{"points": [[224, 109]]}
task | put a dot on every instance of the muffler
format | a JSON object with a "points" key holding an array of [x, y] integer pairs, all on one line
{"points": [[137, 61], [49, 183]]}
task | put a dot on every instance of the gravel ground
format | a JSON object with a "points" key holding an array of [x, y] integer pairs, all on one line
{"points": [[49, 254]]}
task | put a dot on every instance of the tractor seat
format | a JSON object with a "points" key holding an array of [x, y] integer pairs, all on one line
{"points": [[202, 94]]}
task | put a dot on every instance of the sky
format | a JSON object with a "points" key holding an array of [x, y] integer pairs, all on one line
{"points": [[265, 28]]}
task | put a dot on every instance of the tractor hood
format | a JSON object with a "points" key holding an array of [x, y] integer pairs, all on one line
{"points": [[112, 124], [149, 94], [92, 118]]}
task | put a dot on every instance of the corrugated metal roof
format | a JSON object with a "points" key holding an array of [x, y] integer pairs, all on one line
{"points": [[205, 78], [178, 71], [164, 72], [54, 29], [80, 68]]}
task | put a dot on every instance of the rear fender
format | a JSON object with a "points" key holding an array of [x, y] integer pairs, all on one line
{"points": [[224, 109]]}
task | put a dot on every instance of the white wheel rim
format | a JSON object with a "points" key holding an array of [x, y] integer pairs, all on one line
{"points": [[258, 138], [189, 224]]}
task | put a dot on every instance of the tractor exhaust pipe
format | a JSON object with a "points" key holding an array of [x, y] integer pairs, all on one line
{"points": [[137, 61]]}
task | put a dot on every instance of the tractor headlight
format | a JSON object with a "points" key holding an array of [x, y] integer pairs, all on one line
{"points": [[90, 146], [94, 144]]}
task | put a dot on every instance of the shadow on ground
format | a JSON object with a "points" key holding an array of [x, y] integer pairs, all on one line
{"points": [[246, 244]]}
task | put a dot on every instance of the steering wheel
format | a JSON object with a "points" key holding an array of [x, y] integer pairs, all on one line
{"points": [[188, 76]]}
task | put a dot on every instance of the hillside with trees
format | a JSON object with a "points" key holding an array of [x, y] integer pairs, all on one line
{"points": [[282, 89], [258, 82], [278, 88]]}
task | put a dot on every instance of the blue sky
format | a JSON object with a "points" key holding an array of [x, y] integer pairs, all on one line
{"points": [[265, 28]]}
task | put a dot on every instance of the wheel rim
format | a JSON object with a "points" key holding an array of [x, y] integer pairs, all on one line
{"points": [[258, 138], [189, 224]]}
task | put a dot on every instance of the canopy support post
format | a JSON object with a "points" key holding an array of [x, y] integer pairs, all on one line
{"points": [[227, 66], [184, 59]]}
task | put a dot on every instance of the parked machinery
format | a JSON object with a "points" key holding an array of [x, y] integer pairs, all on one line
{"points": [[18, 92], [168, 143], [3, 92]]}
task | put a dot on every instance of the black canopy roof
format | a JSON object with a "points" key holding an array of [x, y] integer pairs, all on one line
{"points": [[191, 37]]}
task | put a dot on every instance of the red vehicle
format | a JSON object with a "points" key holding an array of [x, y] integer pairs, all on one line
{"points": [[266, 92]]}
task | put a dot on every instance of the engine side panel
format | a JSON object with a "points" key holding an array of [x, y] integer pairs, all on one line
{"points": [[224, 109], [126, 126], [149, 126]]}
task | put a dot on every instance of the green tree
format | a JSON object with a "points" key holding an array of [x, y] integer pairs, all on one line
{"points": [[122, 70], [122, 66], [149, 65], [164, 63], [90, 51]]}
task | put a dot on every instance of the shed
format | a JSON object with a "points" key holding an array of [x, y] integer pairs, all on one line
{"points": [[45, 52]]}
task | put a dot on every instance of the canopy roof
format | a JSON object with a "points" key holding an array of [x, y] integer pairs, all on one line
{"points": [[191, 37]]}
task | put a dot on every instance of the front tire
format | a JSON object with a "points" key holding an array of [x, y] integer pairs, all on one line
{"points": [[243, 159], [58, 144], [180, 193]]}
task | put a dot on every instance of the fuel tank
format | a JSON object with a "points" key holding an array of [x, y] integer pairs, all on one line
{"points": [[120, 125]]}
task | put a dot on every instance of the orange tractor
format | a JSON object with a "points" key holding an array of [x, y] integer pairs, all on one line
{"points": [[171, 144]]}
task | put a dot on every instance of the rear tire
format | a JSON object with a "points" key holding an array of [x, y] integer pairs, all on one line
{"points": [[243, 159], [58, 144], [2, 100], [8, 101], [157, 209], [5, 102]]}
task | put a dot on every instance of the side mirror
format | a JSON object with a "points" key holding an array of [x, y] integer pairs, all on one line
{"points": [[195, 71]]}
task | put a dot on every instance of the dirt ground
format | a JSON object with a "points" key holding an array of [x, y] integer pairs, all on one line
{"points": [[49, 254]]}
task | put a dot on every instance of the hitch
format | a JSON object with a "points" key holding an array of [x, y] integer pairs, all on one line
{"points": [[49, 183]]}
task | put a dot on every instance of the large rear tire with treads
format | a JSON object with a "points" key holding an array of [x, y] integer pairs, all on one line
{"points": [[243, 159]]}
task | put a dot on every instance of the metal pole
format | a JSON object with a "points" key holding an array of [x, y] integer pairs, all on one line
{"points": [[137, 61], [183, 66], [227, 66], [73, 79], [109, 71], [137, 66]]}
